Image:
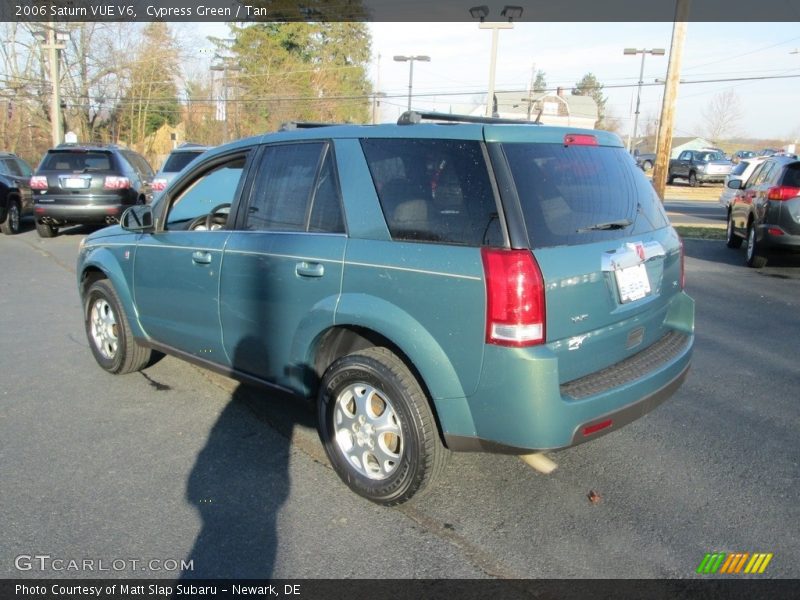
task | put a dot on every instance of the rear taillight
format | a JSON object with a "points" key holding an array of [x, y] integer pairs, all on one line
{"points": [[38, 182], [683, 268], [113, 182], [158, 185], [782, 192], [515, 304]]}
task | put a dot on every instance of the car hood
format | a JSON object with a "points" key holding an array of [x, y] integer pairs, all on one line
{"points": [[105, 232]]}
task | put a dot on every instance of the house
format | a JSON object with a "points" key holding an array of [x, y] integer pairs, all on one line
{"points": [[679, 144], [550, 108]]}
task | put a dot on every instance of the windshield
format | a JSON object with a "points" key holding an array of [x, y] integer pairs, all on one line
{"points": [[582, 194]]}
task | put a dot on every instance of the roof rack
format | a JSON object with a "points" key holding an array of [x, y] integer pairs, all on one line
{"points": [[412, 117], [292, 125]]}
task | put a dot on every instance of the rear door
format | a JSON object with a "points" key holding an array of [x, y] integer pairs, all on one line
{"points": [[282, 266], [610, 260]]}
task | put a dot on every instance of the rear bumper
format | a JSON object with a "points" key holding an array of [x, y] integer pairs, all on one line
{"points": [[711, 177], [522, 407], [63, 213]]}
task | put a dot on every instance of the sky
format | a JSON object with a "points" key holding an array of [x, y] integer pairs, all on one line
{"points": [[460, 56]]}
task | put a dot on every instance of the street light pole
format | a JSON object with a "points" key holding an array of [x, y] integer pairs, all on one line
{"points": [[410, 60], [481, 12], [224, 66], [644, 52]]}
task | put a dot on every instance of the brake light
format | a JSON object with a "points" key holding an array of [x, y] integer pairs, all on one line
{"points": [[515, 304], [782, 192], [683, 268], [159, 184], [38, 182], [580, 139], [114, 182]]}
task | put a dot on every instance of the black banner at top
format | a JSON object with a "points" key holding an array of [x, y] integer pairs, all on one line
{"points": [[395, 10]]}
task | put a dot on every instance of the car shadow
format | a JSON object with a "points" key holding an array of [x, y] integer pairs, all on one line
{"points": [[240, 481]]}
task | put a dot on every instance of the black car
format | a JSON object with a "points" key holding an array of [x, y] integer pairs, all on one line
{"points": [[766, 210], [15, 192], [87, 183], [176, 161]]}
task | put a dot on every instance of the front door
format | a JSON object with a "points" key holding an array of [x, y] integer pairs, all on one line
{"points": [[177, 269]]}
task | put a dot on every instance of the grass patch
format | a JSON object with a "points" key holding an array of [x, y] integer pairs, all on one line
{"points": [[700, 233]]}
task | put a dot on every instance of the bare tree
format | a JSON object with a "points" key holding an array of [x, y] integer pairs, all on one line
{"points": [[722, 116]]}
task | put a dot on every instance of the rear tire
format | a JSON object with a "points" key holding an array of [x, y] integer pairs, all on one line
{"points": [[46, 230], [377, 427], [109, 333], [647, 165], [670, 178], [10, 226], [754, 256], [731, 239]]}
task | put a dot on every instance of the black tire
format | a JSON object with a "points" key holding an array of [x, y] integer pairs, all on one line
{"points": [[407, 456], [693, 179], [731, 239], [46, 230], [754, 257], [10, 225], [647, 165], [670, 178], [109, 333]]}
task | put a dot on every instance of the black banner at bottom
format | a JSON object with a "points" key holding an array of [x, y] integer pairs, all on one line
{"points": [[397, 589]]}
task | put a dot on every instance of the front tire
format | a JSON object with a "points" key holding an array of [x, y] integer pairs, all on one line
{"points": [[11, 224], [46, 230], [109, 333], [754, 256], [377, 427], [693, 179]]}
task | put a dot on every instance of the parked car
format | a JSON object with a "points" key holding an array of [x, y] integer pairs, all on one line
{"points": [[175, 163], [645, 161], [87, 183], [741, 155], [482, 286], [699, 166], [766, 212], [16, 200], [742, 172], [768, 151]]}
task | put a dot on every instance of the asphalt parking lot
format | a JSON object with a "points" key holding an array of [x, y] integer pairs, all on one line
{"points": [[173, 465]]}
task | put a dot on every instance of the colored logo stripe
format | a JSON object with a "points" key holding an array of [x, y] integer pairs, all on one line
{"points": [[734, 563]]}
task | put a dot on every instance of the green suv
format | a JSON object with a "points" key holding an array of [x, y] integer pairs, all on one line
{"points": [[473, 285]]}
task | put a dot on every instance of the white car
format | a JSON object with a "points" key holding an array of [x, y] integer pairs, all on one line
{"points": [[742, 171]]}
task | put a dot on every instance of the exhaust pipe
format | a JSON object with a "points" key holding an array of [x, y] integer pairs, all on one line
{"points": [[539, 462], [112, 220]]}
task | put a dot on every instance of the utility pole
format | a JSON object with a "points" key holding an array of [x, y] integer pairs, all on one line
{"points": [[666, 123], [53, 49]]}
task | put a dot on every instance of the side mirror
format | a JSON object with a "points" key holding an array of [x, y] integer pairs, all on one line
{"points": [[735, 184], [138, 218]]}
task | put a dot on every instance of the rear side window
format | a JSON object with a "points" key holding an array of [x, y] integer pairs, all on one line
{"points": [[791, 178], [177, 160], [77, 161], [581, 194], [434, 190], [740, 168]]}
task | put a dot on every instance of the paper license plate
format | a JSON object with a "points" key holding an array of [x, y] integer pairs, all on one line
{"points": [[632, 283], [76, 182]]}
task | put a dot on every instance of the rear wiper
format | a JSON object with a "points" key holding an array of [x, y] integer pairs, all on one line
{"points": [[621, 224]]}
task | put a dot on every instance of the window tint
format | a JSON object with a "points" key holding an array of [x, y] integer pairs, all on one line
{"points": [[139, 164], [209, 190], [754, 175], [22, 167], [791, 178], [740, 168], [764, 174], [78, 161], [326, 206], [283, 187], [581, 194], [434, 190], [177, 160]]}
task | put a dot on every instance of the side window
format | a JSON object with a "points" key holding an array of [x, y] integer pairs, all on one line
{"points": [[211, 189], [23, 168], [685, 155], [283, 188], [754, 175], [434, 190], [139, 164], [326, 205], [764, 174], [5, 167]]}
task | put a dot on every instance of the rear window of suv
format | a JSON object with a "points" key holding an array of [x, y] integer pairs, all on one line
{"points": [[581, 194], [434, 190], [77, 161], [177, 160]]}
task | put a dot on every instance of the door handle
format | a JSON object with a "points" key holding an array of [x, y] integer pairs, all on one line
{"points": [[201, 258], [306, 269]]}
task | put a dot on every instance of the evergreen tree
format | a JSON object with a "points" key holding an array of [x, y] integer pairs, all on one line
{"points": [[590, 86]]}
